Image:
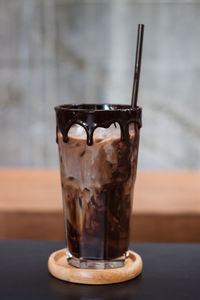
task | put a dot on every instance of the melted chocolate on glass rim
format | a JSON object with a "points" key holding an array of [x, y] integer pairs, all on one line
{"points": [[91, 116]]}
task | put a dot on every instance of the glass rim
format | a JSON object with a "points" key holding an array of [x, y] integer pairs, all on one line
{"points": [[91, 107]]}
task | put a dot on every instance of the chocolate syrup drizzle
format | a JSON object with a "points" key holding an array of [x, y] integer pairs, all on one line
{"points": [[91, 116]]}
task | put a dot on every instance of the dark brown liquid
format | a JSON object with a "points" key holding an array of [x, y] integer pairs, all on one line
{"points": [[97, 184]]}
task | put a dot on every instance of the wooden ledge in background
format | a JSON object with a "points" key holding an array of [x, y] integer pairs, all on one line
{"points": [[166, 206]]}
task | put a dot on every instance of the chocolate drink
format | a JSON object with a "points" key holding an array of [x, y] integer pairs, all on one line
{"points": [[97, 184], [98, 148]]}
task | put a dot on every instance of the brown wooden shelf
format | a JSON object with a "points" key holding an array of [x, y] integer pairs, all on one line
{"points": [[166, 206]]}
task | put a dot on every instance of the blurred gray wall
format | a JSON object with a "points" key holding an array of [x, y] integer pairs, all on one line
{"points": [[59, 51]]}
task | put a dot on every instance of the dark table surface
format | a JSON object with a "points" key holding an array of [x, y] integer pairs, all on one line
{"points": [[171, 271]]}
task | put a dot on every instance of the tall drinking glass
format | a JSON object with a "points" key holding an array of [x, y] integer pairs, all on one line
{"points": [[98, 150]]}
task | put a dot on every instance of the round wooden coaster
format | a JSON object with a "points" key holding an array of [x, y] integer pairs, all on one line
{"points": [[58, 266]]}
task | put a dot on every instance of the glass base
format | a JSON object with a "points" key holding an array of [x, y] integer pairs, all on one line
{"points": [[100, 264]]}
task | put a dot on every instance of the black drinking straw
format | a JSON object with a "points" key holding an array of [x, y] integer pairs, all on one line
{"points": [[137, 65]]}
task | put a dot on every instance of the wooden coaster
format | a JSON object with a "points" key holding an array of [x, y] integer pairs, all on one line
{"points": [[58, 266]]}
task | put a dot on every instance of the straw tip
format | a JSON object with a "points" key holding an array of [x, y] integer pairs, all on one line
{"points": [[141, 25]]}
